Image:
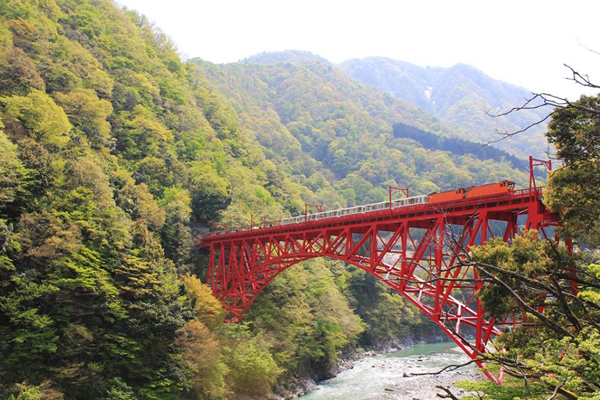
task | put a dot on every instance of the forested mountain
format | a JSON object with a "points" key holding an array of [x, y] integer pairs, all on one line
{"points": [[111, 150], [461, 96], [335, 136]]}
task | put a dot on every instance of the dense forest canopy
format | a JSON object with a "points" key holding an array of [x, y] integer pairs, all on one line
{"points": [[457, 146], [335, 135], [111, 149]]}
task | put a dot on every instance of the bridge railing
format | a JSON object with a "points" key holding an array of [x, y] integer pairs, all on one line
{"points": [[399, 203], [409, 201]]}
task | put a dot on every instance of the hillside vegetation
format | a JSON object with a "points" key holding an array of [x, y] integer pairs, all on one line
{"points": [[335, 135], [462, 96], [111, 150]]}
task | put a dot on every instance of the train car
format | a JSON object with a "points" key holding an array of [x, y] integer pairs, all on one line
{"points": [[490, 189], [409, 201], [450, 195]]}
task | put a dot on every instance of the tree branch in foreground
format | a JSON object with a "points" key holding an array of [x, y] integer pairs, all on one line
{"points": [[448, 395], [450, 367]]}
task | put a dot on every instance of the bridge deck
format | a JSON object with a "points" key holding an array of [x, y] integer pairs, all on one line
{"points": [[496, 205]]}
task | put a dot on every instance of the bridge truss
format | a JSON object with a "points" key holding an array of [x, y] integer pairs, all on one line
{"points": [[416, 250]]}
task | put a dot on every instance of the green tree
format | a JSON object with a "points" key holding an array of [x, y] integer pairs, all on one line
{"points": [[574, 131], [206, 308], [252, 368], [88, 113], [36, 115], [12, 172], [557, 351], [18, 73], [203, 361]]}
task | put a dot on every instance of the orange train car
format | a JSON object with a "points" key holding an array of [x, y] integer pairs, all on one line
{"points": [[450, 195], [490, 189]]}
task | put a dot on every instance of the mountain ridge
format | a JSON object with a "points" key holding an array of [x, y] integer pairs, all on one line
{"points": [[462, 96], [335, 134]]}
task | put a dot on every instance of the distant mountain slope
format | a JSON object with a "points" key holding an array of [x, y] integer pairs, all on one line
{"points": [[460, 95], [335, 134], [457, 146]]}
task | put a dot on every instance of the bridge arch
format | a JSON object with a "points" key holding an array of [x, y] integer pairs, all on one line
{"points": [[238, 309]]}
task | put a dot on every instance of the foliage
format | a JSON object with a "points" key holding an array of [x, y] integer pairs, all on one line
{"points": [[44, 391], [107, 159], [511, 389], [203, 360], [206, 308], [12, 172], [557, 352], [457, 145], [388, 316], [335, 136], [37, 116], [306, 319], [88, 113], [459, 95], [253, 369], [574, 132]]}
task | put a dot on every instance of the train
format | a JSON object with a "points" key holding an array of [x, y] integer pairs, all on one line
{"points": [[491, 189]]}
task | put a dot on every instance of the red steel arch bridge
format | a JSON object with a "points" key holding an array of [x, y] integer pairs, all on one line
{"points": [[414, 245]]}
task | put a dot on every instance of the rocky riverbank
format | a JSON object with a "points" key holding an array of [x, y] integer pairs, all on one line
{"points": [[390, 376], [297, 386], [384, 375], [424, 387]]}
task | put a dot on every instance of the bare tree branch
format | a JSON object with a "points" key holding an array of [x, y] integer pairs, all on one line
{"points": [[450, 367], [580, 79], [555, 393], [588, 49], [448, 395], [541, 100]]}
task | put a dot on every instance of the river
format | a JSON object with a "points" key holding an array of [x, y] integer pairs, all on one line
{"points": [[382, 376]]}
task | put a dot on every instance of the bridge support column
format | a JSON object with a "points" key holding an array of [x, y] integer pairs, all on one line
{"points": [[439, 265], [479, 342]]}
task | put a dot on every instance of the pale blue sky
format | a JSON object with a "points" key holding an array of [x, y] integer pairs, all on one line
{"points": [[521, 42]]}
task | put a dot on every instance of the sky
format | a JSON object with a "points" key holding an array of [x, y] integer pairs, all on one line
{"points": [[523, 42]]}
